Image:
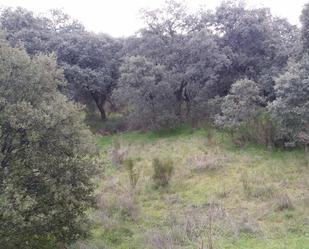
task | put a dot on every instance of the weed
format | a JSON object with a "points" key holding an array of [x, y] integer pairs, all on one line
{"points": [[223, 192], [120, 203], [205, 162], [249, 226], [118, 153], [133, 173], [162, 172], [283, 202]]}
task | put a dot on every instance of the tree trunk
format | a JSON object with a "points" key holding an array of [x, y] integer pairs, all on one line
{"points": [[102, 112], [100, 104], [180, 98], [178, 104], [188, 111]]}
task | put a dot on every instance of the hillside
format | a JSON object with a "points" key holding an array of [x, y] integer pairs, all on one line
{"points": [[220, 195], [192, 133]]}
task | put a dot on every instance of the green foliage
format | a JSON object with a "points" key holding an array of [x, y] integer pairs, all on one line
{"points": [[179, 69], [45, 155], [90, 63], [146, 94], [240, 105], [162, 172], [291, 107], [37, 33], [304, 18], [260, 44], [261, 128]]}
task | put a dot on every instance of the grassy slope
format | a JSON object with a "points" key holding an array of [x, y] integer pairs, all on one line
{"points": [[269, 174]]}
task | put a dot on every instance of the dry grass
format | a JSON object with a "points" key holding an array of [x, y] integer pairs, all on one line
{"points": [[117, 201], [118, 152], [283, 202], [207, 162], [255, 185]]}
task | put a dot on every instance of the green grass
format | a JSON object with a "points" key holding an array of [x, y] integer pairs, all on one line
{"points": [[268, 173]]}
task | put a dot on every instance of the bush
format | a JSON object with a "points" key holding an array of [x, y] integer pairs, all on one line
{"points": [[243, 113], [163, 170], [291, 107], [239, 105], [260, 129]]}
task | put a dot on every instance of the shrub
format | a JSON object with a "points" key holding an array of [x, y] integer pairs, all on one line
{"points": [[163, 170], [291, 107], [260, 129], [239, 105], [243, 113]]}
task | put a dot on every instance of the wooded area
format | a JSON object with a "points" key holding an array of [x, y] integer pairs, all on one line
{"points": [[240, 70]]}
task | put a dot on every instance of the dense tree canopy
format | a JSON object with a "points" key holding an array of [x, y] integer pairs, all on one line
{"points": [[261, 44], [90, 65], [304, 18], [201, 55], [291, 107], [89, 60], [146, 92], [45, 150]]}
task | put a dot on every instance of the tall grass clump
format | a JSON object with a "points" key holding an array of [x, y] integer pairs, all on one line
{"points": [[162, 172], [118, 152], [132, 171]]}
